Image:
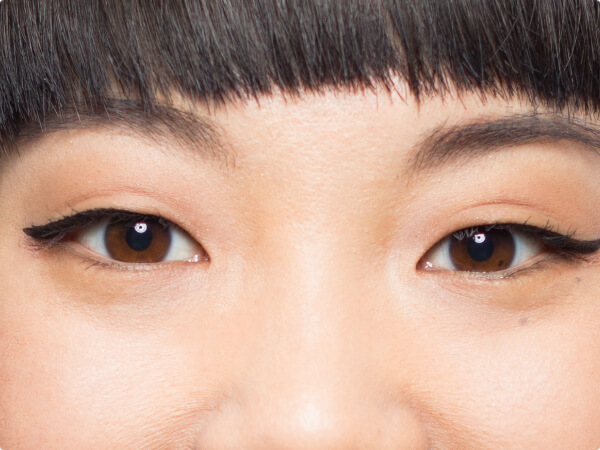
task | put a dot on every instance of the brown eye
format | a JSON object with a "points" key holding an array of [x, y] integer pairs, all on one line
{"points": [[147, 241], [483, 249], [486, 251], [133, 238]]}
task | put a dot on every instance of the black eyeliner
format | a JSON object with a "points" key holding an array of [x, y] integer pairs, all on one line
{"points": [[55, 231], [562, 243]]}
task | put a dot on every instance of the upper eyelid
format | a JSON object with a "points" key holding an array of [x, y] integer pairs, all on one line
{"points": [[560, 241], [81, 219], [58, 229], [556, 240]]}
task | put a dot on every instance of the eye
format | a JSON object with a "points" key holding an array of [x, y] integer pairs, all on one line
{"points": [[139, 240], [484, 249], [122, 236]]}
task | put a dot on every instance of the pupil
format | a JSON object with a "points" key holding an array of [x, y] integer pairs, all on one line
{"points": [[139, 237], [480, 247]]}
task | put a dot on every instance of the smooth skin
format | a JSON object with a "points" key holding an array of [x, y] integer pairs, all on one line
{"points": [[313, 325]]}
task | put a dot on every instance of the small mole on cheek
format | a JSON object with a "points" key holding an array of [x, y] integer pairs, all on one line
{"points": [[523, 320], [578, 279]]}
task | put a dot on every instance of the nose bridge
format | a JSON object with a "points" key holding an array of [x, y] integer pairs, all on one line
{"points": [[312, 382], [316, 327], [318, 319]]}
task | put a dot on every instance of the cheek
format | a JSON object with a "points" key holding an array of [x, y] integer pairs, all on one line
{"points": [[523, 385], [65, 378]]}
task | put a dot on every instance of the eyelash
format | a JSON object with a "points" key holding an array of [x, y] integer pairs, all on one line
{"points": [[560, 245], [54, 232]]}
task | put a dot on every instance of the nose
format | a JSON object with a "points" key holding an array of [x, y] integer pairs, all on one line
{"points": [[305, 415], [311, 377]]}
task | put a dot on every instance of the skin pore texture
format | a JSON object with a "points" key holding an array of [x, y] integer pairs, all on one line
{"points": [[313, 323]]}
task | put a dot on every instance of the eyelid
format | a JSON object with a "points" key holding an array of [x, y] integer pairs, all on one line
{"points": [[556, 240], [56, 232], [563, 246]]}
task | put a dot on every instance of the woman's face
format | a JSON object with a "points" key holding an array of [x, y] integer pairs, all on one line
{"points": [[342, 276]]}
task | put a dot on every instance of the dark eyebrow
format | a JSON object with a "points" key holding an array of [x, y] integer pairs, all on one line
{"points": [[459, 144], [159, 123]]}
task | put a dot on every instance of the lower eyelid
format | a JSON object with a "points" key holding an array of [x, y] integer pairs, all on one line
{"points": [[500, 276], [92, 260]]}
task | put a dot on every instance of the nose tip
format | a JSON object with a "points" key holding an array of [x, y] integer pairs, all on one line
{"points": [[302, 420]]}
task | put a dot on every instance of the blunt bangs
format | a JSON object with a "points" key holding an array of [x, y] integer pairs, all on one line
{"points": [[63, 53]]}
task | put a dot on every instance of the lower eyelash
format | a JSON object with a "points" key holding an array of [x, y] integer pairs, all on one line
{"points": [[519, 271]]}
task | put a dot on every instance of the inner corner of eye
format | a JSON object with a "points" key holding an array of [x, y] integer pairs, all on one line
{"points": [[428, 260], [425, 264]]}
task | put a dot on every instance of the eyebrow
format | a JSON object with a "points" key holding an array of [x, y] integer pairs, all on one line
{"points": [[157, 122], [442, 146], [460, 144]]}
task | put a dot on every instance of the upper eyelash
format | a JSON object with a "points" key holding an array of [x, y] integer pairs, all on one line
{"points": [[56, 231], [563, 246], [562, 243]]}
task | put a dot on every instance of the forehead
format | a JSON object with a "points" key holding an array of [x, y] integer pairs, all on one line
{"points": [[393, 127]]}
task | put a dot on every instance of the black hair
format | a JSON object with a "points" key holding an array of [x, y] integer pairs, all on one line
{"points": [[60, 53]]}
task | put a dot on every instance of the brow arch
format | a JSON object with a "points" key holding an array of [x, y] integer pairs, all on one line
{"points": [[459, 144], [193, 131]]}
